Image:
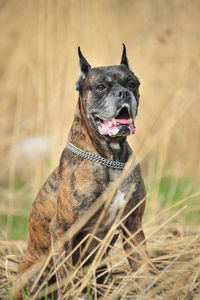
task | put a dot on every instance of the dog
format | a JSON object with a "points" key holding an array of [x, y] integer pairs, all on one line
{"points": [[95, 155]]}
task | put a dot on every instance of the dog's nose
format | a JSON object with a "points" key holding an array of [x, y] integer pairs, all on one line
{"points": [[123, 93]]}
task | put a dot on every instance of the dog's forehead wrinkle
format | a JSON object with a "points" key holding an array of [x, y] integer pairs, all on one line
{"points": [[109, 74], [109, 70], [114, 78], [104, 78]]}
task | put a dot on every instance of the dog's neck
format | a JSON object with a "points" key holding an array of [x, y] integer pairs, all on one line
{"points": [[84, 138]]}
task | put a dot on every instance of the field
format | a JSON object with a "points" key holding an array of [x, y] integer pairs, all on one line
{"points": [[38, 72]]}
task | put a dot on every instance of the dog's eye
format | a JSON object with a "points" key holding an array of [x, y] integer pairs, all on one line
{"points": [[100, 87], [131, 85]]}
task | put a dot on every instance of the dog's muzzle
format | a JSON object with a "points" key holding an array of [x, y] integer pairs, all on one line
{"points": [[122, 123]]}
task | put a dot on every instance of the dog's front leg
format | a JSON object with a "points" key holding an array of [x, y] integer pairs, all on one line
{"points": [[134, 243], [133, 236], [135, 247], [61, 250], [66, 216]]}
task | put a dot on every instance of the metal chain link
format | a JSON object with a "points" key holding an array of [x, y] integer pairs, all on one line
{"points": [[96, 158]]}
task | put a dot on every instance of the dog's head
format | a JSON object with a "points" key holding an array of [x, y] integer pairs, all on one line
{"points": [[109, 96]]}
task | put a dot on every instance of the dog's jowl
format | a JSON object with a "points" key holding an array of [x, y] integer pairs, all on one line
{"points": [[96, 153]]}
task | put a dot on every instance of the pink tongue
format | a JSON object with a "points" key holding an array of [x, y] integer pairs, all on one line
{"points": [[111, 128], [122, 121]]}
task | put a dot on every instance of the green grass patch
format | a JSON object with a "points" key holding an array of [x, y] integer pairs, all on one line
{"points": [[17, 226], [171, 190]]}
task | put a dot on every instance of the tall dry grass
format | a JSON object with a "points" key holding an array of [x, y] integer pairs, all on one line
{"points": [[39, 68], [38, 71]]}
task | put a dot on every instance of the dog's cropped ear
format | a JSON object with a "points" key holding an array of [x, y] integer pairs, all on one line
{"points": [[124, 59], [84, 65], [84, 69]]}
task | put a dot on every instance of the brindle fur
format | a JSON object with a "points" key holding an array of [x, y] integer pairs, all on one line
{"points": [[77, 183]]}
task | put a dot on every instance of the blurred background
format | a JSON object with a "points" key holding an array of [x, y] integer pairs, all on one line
{"points": [[39, 69]]}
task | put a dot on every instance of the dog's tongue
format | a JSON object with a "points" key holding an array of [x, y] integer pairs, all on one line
{"points": [[122, 121], [112, 127]]}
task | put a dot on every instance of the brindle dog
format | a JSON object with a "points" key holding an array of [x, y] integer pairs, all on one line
{"points": [[104, 117]]}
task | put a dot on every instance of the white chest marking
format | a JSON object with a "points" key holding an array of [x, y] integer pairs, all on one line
{"points": [[116, 204], [115, 146]]}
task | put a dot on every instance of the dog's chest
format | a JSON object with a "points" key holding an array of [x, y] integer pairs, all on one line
{"points": [[118, 201]]}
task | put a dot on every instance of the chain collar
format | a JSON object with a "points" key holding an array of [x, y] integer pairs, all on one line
{"points": [[96, 158]]}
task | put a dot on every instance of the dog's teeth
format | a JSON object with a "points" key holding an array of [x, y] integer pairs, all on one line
{"points": [[114, 122]]}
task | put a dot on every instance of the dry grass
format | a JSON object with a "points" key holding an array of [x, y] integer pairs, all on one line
{"points": [[174, 263], [38, 71], [39, 67]]}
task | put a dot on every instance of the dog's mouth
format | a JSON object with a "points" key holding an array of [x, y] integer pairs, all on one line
{"points": [[122, 124]]}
